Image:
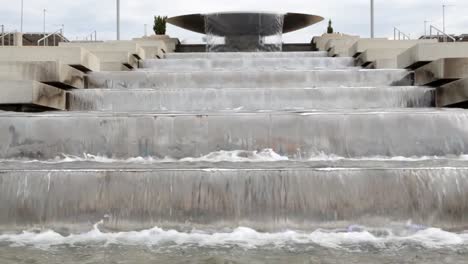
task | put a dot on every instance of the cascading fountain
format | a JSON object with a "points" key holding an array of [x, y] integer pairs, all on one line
{"points": [[216, 146]]}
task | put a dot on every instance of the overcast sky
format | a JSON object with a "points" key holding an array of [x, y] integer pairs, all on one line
{"points": [[81, 17]]}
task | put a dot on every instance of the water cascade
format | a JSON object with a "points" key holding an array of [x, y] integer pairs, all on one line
{"points": [[269, 141]]}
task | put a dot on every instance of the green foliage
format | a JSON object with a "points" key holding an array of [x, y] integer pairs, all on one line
{"points": [[330, 28], [160, 25]]}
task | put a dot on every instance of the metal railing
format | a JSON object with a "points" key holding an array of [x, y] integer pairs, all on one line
{"points": [[399, 35], [56, 36], [91, 35], [445, 36], [9, 36]]}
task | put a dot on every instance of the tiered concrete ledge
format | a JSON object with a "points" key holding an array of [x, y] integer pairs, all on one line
{"points": [[30, 96], [442, 71], [50, 72], [113, 55], [454, 94], [422, 54], [340, 47], [320, 42], [369, 56], [364, 44], [73, 56]]}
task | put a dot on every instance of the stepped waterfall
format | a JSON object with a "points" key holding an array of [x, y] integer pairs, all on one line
{"points": [[292, 150]]}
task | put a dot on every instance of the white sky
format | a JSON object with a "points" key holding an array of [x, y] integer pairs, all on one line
{"points": [[81, 17]]}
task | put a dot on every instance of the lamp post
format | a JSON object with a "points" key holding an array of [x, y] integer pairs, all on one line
{"points": [[22, 15], [372, 18], [118, 19], [44, 26], [443, 18], [425, 28]]}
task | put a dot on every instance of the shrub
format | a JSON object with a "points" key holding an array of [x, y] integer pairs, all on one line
{"points": [[160, 25]]}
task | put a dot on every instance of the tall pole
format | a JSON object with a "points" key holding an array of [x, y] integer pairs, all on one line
{"points": [[44, 25], [372, 17], [22, 15], [443, 18], [118, 19], [425, 29]]}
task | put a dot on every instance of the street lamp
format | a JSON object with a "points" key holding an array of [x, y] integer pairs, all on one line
{"points": [[44, 25], [22, 15], [118, 19], [372, 17], [443, 16], [425, 28]]}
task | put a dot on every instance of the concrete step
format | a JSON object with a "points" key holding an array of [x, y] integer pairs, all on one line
{"points": [[249, 79], [422, 54], [31, 96], [361, 45], [237, 55], [347, 133], [51, 72], [453, 94], [442, 71], [191, 65], [302, 197], [240, 99], [73, 56]]}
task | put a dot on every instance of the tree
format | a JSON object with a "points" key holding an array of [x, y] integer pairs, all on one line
{"points": [[160, 25], [330, 28]]}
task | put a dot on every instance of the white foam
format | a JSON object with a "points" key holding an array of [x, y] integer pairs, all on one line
{"points": [[242, 237], [266, 155], [331, 157]]}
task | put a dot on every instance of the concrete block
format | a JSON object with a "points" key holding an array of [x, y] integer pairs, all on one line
{"points": [[321, 41], [364, 44], [422, 54], [162, 41], [371, 55], [109, 46], [384, 64], [50, 72], [442, 71], [74, 56], [115, 67], [340, 47], [454, 94], [31, 93]]}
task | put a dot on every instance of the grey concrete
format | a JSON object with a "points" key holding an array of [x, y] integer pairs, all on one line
{"points": [[51, 72], [442, 71], [344, 133], [249, 79], [379, 43], [371, 55], [384, 64], [454, 94], [32, 94], [340, 47], [320, 42], [264, 199], [242, 100], [422, 54], [73, 56]]}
